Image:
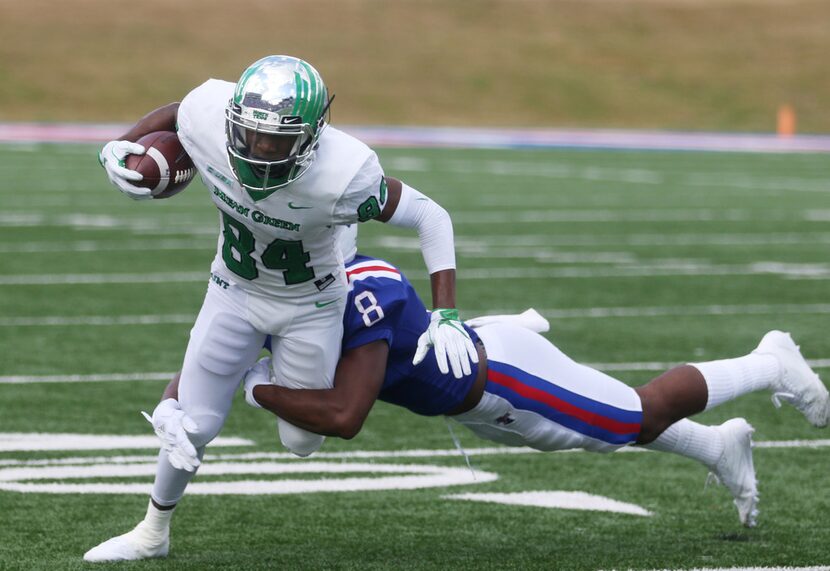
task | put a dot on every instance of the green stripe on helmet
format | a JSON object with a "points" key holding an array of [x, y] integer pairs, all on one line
{"points": [[240, 85]]}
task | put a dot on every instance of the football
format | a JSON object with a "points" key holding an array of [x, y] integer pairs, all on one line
{"points": [[166, 166]]}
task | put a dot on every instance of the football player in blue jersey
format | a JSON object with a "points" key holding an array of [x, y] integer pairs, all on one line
{"points": [[525, 392], [522, 392]]}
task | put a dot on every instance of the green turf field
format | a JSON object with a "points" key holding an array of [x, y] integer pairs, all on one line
{"points": [[638, 259]]}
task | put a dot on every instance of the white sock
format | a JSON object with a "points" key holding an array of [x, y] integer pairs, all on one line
{"points": [[156, 522], [728, 379], [692, 440]]}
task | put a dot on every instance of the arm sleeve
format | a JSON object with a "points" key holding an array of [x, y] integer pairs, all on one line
{"points": [[433, 225]]}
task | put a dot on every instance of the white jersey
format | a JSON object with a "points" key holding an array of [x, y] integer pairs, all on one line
{"points": [[283, 245]]}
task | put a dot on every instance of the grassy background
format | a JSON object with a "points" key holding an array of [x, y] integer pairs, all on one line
{"points": [[604, 225], [688, 64]]}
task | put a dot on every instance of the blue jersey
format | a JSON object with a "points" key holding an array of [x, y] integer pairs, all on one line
{"points": [[382, 304]]}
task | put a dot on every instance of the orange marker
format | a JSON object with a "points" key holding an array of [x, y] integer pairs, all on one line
{"points": [[786, 121]]}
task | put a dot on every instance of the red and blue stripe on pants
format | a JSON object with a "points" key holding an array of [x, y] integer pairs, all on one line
{"points": [[579, 413]]}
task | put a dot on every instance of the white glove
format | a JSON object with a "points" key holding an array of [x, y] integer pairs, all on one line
{"points": [[112, 159], [259, 374], [529, 319], [172, 425], [446, 333]]}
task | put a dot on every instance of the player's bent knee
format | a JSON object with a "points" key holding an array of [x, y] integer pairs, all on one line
{"points": [[208, 427]]}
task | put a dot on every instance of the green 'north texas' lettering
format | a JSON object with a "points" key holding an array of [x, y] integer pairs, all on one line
{"points": [[262, 218], [243, 210]]}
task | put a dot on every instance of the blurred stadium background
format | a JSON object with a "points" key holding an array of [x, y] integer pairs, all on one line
{"points": [[640, 258], [671, 64]]}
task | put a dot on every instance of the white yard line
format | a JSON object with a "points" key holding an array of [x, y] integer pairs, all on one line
{"points": [[96, 320], [162, 376], [28, 441], [161, 221], [552, 313], [491, 216], [663, 366], [483, 243], [106, 246], [363, 454], [69, 279], [26, 136], [465, 244], [667, 268], [555, 500], [673, 311], [94, 378]]}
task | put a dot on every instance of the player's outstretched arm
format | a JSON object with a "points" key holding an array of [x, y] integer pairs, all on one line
{"points": [[409, 208], [339, 411]]}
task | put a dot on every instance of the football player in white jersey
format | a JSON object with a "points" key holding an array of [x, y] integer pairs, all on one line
{"points": [[283, 181]]}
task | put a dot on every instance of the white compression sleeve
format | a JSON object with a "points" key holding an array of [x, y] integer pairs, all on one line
{"points": [[433, 225]]}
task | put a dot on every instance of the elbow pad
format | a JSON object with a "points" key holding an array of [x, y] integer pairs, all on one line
{"points": [[433, 224]]}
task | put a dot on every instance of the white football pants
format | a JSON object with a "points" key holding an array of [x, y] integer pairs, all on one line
{"points": [[226, 340], [539, 397]]}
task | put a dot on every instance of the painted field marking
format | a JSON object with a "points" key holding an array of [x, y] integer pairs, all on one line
{"points": [[95, 246], [670, 268], [380, 477], [464, 243], [26, 136], [96, 320], [664, 366], [552, 313], [375, 454], [80, 279], [94, 378], [556, 500], [28, 441], [480, 243], [164, 376], [489, 217]]}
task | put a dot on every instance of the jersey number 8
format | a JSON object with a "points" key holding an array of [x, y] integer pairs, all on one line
{"points": [[370, 311]]}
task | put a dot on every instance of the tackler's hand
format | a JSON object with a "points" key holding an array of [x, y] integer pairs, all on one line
{"points": [[259, 374], [453, 346]]}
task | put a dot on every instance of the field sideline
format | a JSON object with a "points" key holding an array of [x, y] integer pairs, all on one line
{"points": [[641, 260]]}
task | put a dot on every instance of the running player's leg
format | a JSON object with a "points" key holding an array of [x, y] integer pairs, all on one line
{"points": [[305, 356], [222, 346]]}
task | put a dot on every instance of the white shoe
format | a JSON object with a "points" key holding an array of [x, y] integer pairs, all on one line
{"points": [[735, 470], [798, 384], [133, 545]]}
